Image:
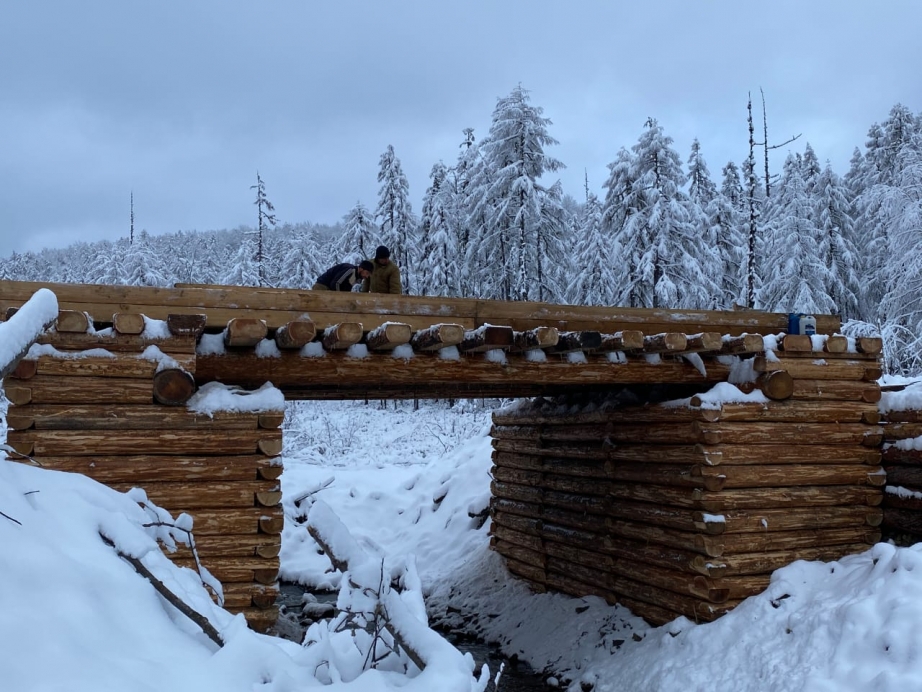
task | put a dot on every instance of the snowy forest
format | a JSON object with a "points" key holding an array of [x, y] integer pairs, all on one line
{"points": [[660, 233]]}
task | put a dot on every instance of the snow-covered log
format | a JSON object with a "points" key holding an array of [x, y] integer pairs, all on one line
{"points": [[24, 328]]}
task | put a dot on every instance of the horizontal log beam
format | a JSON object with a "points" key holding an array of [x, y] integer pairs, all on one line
{"points": [[707, 455], [121, 365], [131, 417], [154, 442], [327, 308], [291, 371], [725, 500], [57, 389], [115, 342], [143, 468]]}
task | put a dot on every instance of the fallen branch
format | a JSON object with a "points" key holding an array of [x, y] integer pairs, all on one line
{"points": [[170, 597]]}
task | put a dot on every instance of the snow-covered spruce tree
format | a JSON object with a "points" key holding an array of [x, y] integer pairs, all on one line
{"points": [[727, 213], [142, 264], [357, 242], [110, 266], [795, 276], [595, 276], [395, 217], [615, 212], [439, 250], [299, 266], [243, 270], [880, 172], [705, 211], [899, 205], [671, 264], [265, 219], [457, 190], [519, 214], [833, 217]]}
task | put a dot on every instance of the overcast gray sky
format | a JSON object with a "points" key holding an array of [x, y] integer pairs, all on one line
{"points": [[182, 102]]}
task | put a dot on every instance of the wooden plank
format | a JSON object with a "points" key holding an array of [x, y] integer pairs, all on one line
{"points": [[57, 389], [238, 569], [341, 336], [796, 518], [173, 386], [703, 342], [243, 332], [830, 390], [487, 338], [137, 469], [202, 494], [437, 336], [388, 336], [574, 341], [798, 411], [295, 334], [300, 376], [725, 500], [793, 475], [115, 342], [72, 321], [820, 368], [744, 344], [788, 433], [131, 417], [120, 365], [103, 301], [186, 325], [910, 416], [155, 442], [239, 520], [128, 322], [709, 455], [538, 338], [767, 562], [626, 340], [902, 431]]}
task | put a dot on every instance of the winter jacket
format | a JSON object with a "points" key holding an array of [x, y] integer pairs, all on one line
{"points": [[384, 279], [342, 277]]}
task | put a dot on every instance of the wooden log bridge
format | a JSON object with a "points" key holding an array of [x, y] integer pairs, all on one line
{"points": [[625, 474]]}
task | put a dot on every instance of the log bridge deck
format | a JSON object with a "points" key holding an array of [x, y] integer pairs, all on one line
{"points": [[671, 511]]}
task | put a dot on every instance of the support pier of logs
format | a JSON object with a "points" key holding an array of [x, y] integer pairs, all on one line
{"points": [[902, 459], [686, 507], [118, 417]]}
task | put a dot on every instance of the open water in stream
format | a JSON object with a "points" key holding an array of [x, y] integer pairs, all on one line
{"points": [[516, 676]]}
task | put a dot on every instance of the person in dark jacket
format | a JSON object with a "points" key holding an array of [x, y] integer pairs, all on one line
{"points": [[342, 277], [386, 275]]}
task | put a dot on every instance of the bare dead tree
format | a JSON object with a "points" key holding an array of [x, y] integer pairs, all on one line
{"points": [[765, 145], [750, 173]]}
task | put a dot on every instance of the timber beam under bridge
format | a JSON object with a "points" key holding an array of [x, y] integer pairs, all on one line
{"points": [[328, 345]]}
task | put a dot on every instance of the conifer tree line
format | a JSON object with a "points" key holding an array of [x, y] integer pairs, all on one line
{"points": [[662, 232]]}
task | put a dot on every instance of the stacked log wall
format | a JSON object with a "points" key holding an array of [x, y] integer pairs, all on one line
{"points": [[96, 412], [688, 509], [902, 459]]}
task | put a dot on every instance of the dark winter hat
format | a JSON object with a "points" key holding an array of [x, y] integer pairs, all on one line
{"points": [[367, 266], [382, 252]]}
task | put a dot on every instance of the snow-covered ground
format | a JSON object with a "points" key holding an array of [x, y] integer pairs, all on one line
{"points": [[411, 487]]}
